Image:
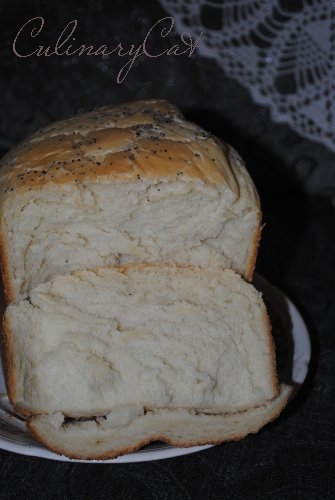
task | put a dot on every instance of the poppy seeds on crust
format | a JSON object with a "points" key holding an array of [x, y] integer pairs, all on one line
{"points": [[142, 138]]}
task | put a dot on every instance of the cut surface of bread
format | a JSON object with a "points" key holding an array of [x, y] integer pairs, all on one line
{"points": [[151, 336], [126, 184], [103, 361]]}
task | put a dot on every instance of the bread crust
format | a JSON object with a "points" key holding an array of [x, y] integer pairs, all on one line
{"points": [[11, 379], [180, 443], [272, 351], [254, 251], [5, 270], [146, 139]]}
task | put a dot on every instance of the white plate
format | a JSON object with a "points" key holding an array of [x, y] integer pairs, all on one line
{"points": [[15, 437]]}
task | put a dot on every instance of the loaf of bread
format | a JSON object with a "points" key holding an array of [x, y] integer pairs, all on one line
{"points": [[124, 234], [101, 362], [127, 184]]}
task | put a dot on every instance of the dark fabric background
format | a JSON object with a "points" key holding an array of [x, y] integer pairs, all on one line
{"points": [[295, 456]]}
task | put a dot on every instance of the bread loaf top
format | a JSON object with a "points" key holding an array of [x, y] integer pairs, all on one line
{"points": [[90, 179], [146, 139]]}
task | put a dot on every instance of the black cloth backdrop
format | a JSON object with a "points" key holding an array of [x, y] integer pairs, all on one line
{"points": [[293, 457]]}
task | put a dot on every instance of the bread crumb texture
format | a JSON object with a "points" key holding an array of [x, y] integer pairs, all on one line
{"points": [[154, 337]]}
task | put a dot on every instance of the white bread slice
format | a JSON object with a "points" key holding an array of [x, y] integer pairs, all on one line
{"points": [[130, 183], [156, 336], [149, 349]]}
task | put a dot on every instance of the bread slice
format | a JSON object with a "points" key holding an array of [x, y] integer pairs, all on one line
{"points": [[127, 184], [141, 353], [112, 435]]}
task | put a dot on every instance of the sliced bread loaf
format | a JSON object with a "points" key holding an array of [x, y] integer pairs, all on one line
{"points": [[101, 362]]}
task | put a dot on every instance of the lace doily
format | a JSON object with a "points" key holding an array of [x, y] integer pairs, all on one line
{"points": [[283, 51]]}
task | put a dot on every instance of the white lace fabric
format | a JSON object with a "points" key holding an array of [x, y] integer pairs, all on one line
{"points": [[283, 51]]}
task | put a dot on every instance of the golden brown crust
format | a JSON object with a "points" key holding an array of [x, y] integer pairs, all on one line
{"points": [[11, 380], [161, 437], [4, 267], [143, 139], [115, 453], [272, 352], [254, 252]]}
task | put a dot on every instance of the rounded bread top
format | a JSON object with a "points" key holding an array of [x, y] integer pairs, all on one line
{"points": [[141, 140]]}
